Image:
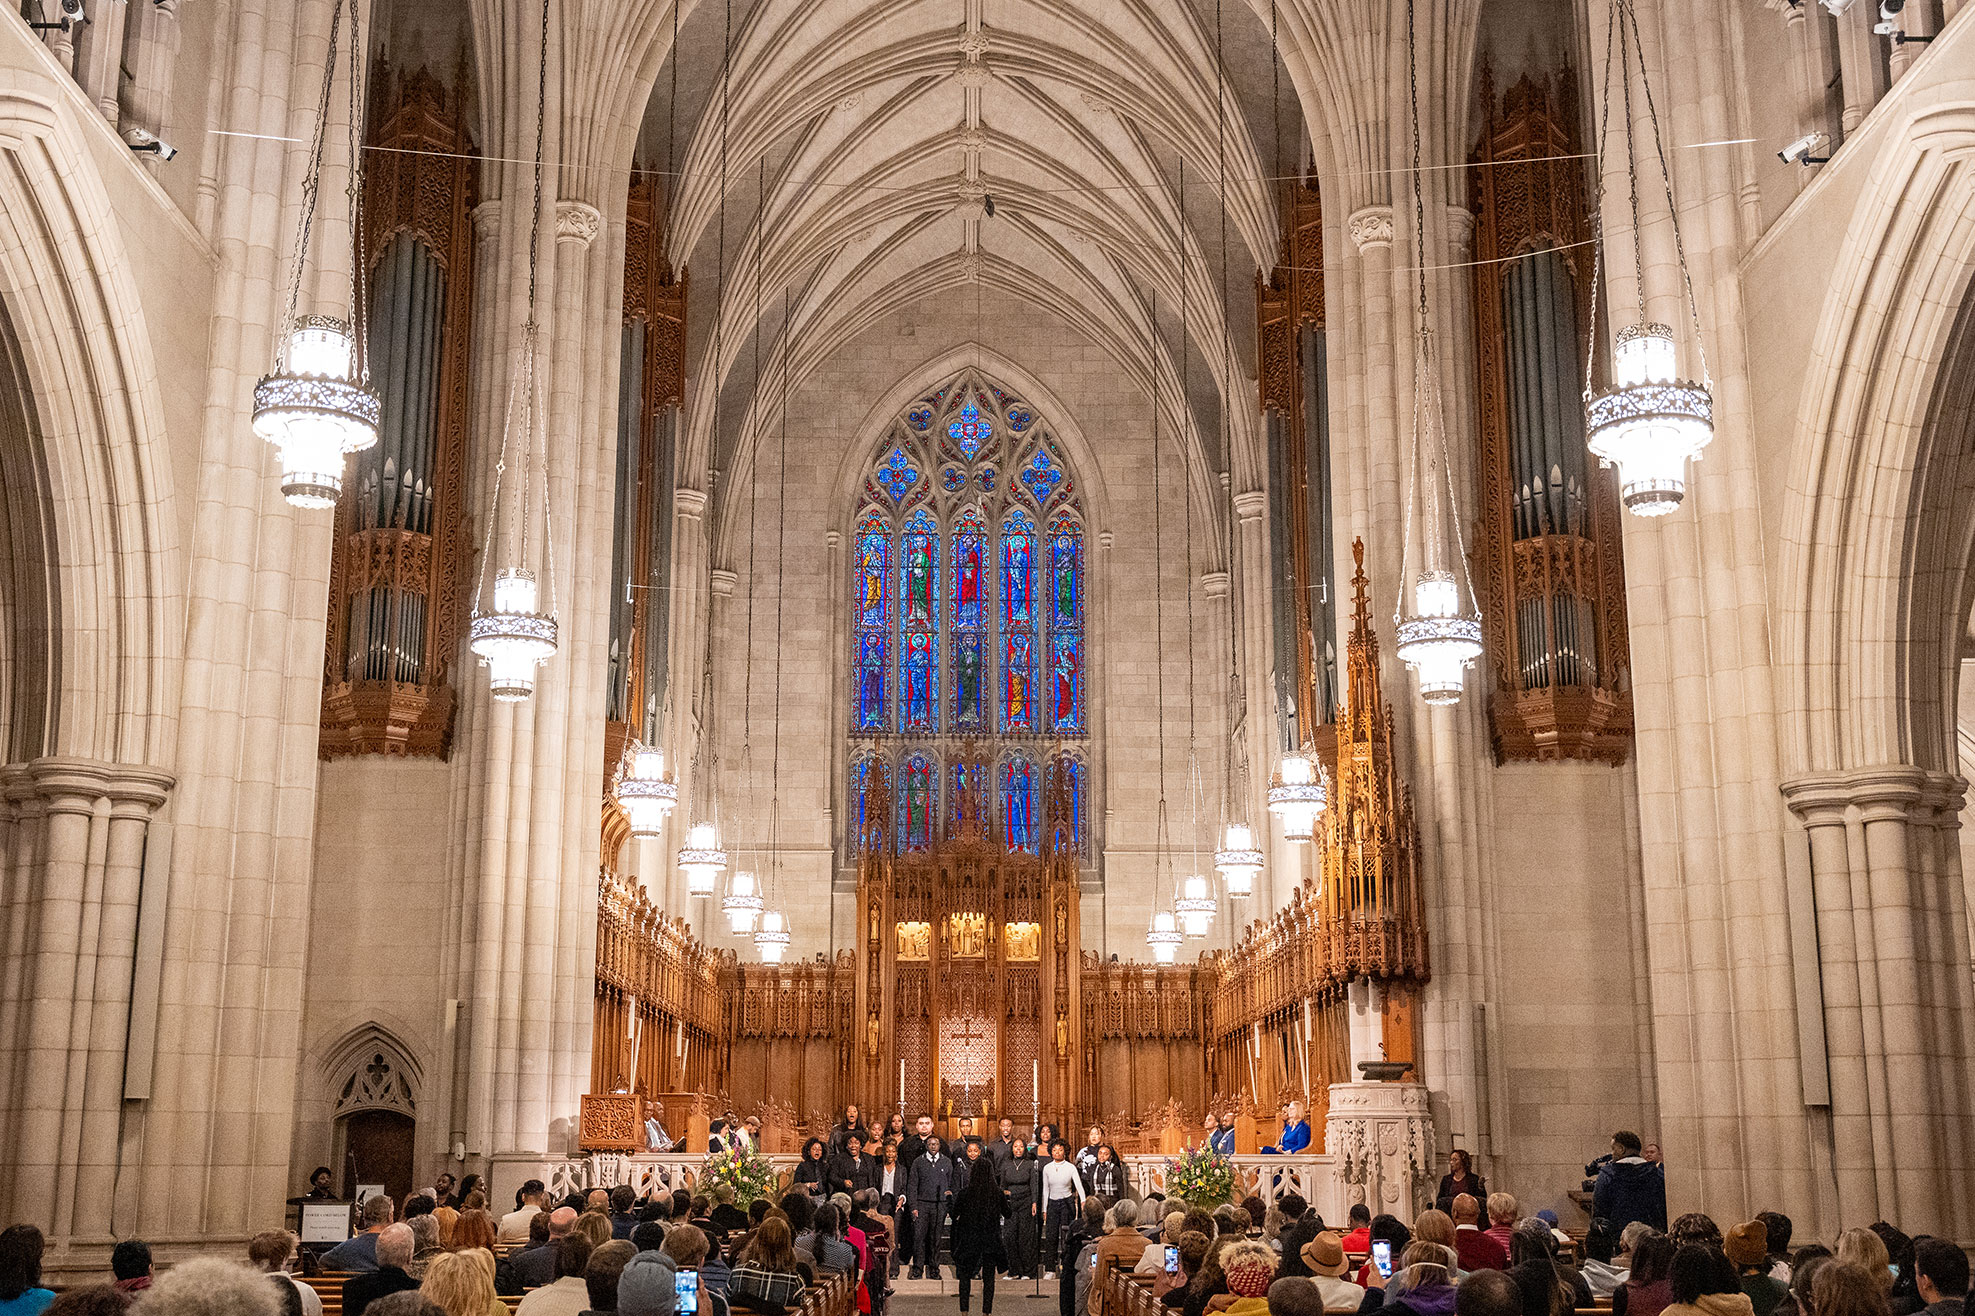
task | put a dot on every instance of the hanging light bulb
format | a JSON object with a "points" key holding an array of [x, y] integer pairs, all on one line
{"points": [[1164, 937], [1195, 907], [773, 938], [701, 859], [1436, 641], [644, 791], [1238, 861], [1649, 423], [514, 639], [314, 411], [741, 904], [1298, 797]]}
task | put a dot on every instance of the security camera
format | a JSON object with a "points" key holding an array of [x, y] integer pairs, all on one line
{"points": [[149, 143], [67, 13], [71, 10], [1799, 151]]}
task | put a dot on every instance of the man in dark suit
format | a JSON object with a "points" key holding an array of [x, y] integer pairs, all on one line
{"points": [[850, 1170], [929, 1187], [1001, 1148], [394, 1249]]}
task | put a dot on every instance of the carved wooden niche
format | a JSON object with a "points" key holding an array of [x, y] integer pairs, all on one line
{"points": [[1552, 576], [396, 593]]}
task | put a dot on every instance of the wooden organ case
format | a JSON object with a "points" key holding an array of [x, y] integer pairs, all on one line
{"points": [[968, 998]]}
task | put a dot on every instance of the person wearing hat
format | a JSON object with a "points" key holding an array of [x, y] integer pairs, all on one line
{"points": [[648, 1286], [1324, 1255], [1747, 1248], [1250, 1268]]}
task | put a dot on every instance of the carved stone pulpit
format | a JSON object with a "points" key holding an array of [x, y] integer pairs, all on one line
{"points": [[1382, 1137]]}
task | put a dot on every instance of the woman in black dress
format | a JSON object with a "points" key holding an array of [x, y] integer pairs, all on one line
{"points": [[809, 1174], [978, 1210], [1460, 1178], [1022, 1178]]}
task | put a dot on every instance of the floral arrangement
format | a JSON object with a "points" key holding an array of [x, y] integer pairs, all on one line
{"points": [[1200, 1176], [746, 1171]]}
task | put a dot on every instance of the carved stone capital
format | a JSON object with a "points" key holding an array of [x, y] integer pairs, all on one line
{"points": [[723, 582], [1371, 227], [1460, 230], [1248, 506], [689, 502], [1214, 584], [578, 222]]}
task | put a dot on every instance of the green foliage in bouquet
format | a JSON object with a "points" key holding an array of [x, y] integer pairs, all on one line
{"points": [[747, 1172], [1200, 1176]]}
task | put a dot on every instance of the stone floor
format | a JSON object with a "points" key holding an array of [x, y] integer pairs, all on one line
{"points": [[925, 1297]]}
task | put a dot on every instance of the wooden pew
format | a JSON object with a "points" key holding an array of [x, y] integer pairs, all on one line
{"points": [[328, 1287]]}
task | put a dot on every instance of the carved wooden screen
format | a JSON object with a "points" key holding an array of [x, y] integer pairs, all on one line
{"points": [[1552, 573], [395, 596]]}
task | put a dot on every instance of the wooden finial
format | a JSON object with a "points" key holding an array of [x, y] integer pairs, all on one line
{"points": [[1361, 605]]}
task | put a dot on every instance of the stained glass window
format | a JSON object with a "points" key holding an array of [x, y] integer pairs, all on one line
{"points": [[967, 619]]}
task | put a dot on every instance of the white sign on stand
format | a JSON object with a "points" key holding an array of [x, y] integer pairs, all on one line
{"points": [[325, 1222]]}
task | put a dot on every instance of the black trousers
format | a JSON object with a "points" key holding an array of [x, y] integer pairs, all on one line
{"points": [[925, 1235], [966, 1270]]}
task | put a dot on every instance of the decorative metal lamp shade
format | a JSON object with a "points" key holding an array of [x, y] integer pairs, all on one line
{"points": [[314, 412], [1437, 642], [515, 638], [1650, 423], [1238, 861], [645, 793], [1195, 906], [773, 938], [741, 904], [1163, 937], [701, 859], [1298, 797]]}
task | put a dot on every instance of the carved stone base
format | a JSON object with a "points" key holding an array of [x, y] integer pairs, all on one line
{"points": [[1381, 1135]]}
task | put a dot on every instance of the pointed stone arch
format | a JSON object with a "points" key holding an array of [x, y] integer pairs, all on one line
{"points": [[371, 1070]]}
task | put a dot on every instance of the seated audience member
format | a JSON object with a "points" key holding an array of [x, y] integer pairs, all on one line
{"points": [[1865, 1249], [514, 1225], [534, 1265], [1805, 1262], [409, 1303], [1436, 1226], [1695, 1227], [1747, 1249], [606, 1266], [90, 1300], [1424, 1286], [21, 1293], [726, 1217], [1358, 1238], [1193, 1253], [130, 1266], [623, 1219], [1780, 1229], [271, 1253], [687, 1247], [206, 1285], [1152, 1261], [395, 1246], [1704, 1284], [1295, 1295], [1548, 1287], [649, 1236], [1605, 1277], [594, 1226], [568, 1294], [826, 1242], [360, 1252], [1940, 1275], [1646, 1290], [448, 1218], [765, 1277], [598, 1200], [1250, 1266], [1904, 1297], [1488, 1293], [424, 1244], [1387, 1229], [418, 1204], [1502, 1217], [648, 1286], [1845, 1289], [462, 1284], [474, 1229], [1476, 1250], [1324, 1258]]}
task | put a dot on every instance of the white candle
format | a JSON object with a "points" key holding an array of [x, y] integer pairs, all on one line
{"points": [[1035, 1081], [901, 1082]]}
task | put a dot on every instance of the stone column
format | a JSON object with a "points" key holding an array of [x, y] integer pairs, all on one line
{"points": [[1893, 954], [686, 714], [99, 55]]}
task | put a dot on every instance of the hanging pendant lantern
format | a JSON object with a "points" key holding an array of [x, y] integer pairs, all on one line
{"points": [[1437, 642], [1163, 938], [1195, 907], [701, 859], [515, 638], [1650, 423], [741, 904], [1238, 861], [314, 411], [1298, 797], [772, 941], [644, 792]]}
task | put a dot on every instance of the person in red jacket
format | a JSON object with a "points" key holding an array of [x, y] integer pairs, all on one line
{"points": [[1476, 1249]]}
